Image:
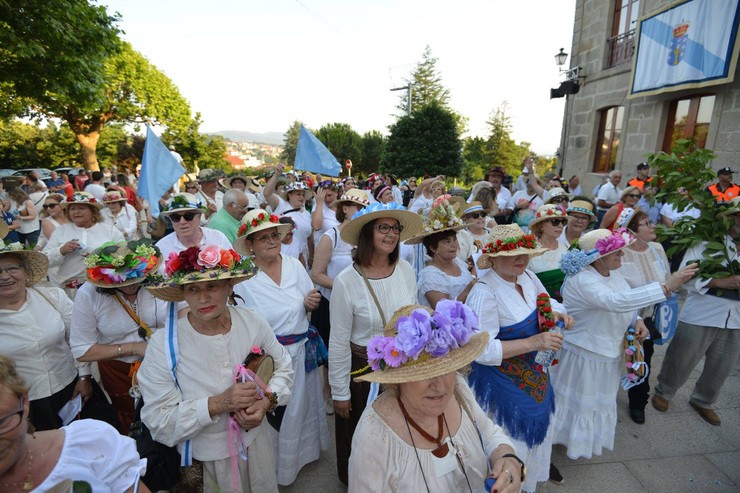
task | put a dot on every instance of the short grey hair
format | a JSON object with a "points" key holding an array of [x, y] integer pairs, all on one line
{"points": [[611, 173], [231, 196]]}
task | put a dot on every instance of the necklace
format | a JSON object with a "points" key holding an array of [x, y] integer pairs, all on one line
{"points": [[26, 485], [442, 448]]}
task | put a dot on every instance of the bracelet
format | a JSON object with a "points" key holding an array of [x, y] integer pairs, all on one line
{"points": [[119, 351], [83, 378], [273, 401]]}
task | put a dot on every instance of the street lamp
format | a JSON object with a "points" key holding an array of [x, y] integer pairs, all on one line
{"points": [[561, 57], [571, 84]]}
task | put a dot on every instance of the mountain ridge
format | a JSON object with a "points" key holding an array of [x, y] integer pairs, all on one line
{"points": [[272, 138]]}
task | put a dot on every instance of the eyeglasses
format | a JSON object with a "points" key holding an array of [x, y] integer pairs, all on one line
{"points": [[385, 228], [12, 270], [274, 236], [559, 199], [558, 222], [188, 216], [12, 421], [647, 224], [475, 215], [634, 195], [191, 187], [583, 219], [49, 206]]}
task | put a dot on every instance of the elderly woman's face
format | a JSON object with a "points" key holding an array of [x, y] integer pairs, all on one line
{"points": [[13, 428], [115, 207], [428, 397], [386, 233], [297, 198], [553, 228], [645, 230], [386, 197], [437, 190], [52, 207], [13, 276], [613, 261], [475, 220], [447, 248], [631, 198], [579, 223], [265, 243], [207, 300], [510, 267], [238, 184], [81, 215]]}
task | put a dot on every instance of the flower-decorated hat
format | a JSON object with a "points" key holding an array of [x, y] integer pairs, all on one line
{"points": [[419, 343], [556, 192], [626, 216], [82, 198], [113, 196], [545, 212], [410, 221], [297, 186], [354, 196], [183, 202], [442, 217], [582, 206], [200, 264], [592, 246], [208, 174], [473, 207], [113, 265], [254, 221], [36, 262], [508, 240], [229, 182]]}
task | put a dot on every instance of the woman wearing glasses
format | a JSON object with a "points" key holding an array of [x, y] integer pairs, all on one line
{"points": [[364, 297], [52, 216], [630, 197], [547, 226]]}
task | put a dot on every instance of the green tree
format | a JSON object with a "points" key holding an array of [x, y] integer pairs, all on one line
{"points": [[426, 84], [501, 149], [25, 145], [373, 145], [291, 143], [427, 141], [343, 142], [475, 161]]}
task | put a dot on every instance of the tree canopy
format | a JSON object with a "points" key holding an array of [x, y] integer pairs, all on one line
{"points": [[426, 84], [343, 142]]}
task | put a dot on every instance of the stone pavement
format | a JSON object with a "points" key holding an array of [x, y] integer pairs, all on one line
{"points": [[672, 452]]}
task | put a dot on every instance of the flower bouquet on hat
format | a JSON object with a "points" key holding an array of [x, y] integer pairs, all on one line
{"points": [[442, 216], [114, 265]]}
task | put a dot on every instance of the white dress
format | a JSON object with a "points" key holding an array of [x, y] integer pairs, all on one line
{"points": [[341, 258], [94, 452], [382, 461], [586, 380], [431, 278], [126, 221], [304, 430]]}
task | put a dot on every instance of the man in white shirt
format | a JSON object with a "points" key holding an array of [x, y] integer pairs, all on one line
{"points": [[95, 187], [496, 176], [609, 195], [184, 212]]}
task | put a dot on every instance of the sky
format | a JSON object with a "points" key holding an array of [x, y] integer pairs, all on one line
{"points": [[259, 65]]}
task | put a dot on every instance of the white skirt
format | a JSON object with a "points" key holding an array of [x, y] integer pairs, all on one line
{"points": [[304, 431], [586, 386], [537, 458]]}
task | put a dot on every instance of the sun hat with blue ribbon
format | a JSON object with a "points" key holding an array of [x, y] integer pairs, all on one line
{"points": [[410, 221], [183, 202], [593, 246]]}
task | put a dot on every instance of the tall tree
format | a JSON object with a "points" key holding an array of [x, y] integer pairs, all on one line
{"points": [[475, 161], [373, 145], [343, 142], [500, 147], [426, 84], [427, 141], [291, 143]]}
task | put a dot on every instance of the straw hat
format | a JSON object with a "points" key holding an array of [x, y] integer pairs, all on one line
{"points": [[556, 192], [472, 207], [442, 217], [297, 186], [82, 198], [353, 196], [4, 229], [183, 202], [114, 265], [254, 221], [411, 221], [582, 206], [36, 262], [601, 242], [113, 196], [405, 354], [208, 174], [545, 212], [507, 240], [228, 181], [200, 264], [626, 216]]}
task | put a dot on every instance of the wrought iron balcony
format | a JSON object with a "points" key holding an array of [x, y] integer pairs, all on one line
{"points": [[621, 48]]}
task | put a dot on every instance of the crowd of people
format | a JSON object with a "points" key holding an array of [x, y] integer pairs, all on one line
{"points": [[230, 327]]}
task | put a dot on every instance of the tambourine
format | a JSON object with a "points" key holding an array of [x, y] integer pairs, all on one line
{"points": [[262, 365]]}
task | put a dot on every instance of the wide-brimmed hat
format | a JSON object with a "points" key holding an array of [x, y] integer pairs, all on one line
{"points": [[36, 262], [592, 246], [208, 174], [626, 216], [583, 207], [508, 240], [410, 221], [443, 216], [200, 264], [496, 170], [556, 192], [228, 181], [545, 212], [472, 207], [418, 343], [82, 198], [297, 186], [183, 202], [114, 265], [254, 221], [113, 196], [353, 196]]}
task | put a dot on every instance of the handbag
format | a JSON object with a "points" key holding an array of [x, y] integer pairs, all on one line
{"points": [[665, 314]]}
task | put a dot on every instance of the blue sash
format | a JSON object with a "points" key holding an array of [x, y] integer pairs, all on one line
{"points": [[517, 394]]}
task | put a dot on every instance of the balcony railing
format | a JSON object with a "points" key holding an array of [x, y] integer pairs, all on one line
{"points": [[621, 48]]}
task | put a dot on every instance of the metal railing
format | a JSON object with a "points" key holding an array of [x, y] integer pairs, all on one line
{"points": [[621, 48]]}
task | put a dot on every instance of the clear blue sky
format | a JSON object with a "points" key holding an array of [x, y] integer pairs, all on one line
{"points": [[258, 65]]}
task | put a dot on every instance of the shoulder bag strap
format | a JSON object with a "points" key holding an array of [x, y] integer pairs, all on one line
{"points": [[133, 315], [38, 291], [372, 293]]}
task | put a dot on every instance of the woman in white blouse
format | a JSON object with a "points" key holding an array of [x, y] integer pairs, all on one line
{"points": [[52, 215], [324, 215], [547, 226], [72, 242], [284, 295], [23, 208], [515, 392], [604, 305], [120, 214], [364, 296]]}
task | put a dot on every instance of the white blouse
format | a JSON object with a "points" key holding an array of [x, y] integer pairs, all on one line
{"points": [[96, 453], [550, 260], [640, 268], [431, 278], [36, 338], [355, 318], [126, 221], [100, 319], [205, 368], [382, 458], [498, 304], [341, 258]]}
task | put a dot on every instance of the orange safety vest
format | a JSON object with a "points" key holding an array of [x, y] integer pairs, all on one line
{"points": [[636, 182], [730, 192]]}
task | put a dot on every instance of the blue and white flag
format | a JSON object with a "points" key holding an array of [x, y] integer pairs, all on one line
{"points": [[159, 171], [690, 45], [311, 155]]}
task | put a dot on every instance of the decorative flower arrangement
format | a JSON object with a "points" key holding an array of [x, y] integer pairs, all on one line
{"points": [[197, 260], [574, 261], [507, 244], [545, 318], [619, 238], [424, 335], [181, 202], [261, 218], [113, 264], [442, 215], [376, 207], [637, 369], [11, 247], [82, 197], [113, 197]]}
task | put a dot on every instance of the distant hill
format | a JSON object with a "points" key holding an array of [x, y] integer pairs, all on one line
{"points": [[273, 138]]}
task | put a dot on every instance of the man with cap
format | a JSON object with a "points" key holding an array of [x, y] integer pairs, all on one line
{"points": [[643, 176], [724, 190], [209, 194]]}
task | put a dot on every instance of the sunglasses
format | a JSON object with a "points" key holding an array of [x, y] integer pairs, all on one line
{"points": [[385, 228], [559, 200], [188, 216], [634, 195], [475, 215], [12, 421], [558, 222], [49, 206]]}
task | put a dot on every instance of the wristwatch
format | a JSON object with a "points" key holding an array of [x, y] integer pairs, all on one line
{"points": [[524, 468], [273, 397]]}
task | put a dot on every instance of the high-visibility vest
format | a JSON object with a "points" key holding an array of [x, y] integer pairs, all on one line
{"points": [[730, 192], [637, 182]]}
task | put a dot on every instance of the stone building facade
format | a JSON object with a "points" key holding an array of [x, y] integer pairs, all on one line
{"points": [[603, 129]]}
